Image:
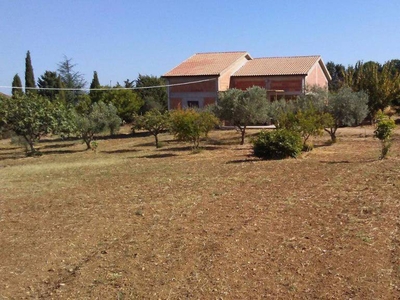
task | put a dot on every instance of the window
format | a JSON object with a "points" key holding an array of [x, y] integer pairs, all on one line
{"points": [[194, 104]]}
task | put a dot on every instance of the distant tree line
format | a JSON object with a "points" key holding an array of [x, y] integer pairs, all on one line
{"points": [[57, 103], [381, 82], [66, 85]]}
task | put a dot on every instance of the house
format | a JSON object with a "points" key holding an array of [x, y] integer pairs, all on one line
{"points": [[197, 81]]}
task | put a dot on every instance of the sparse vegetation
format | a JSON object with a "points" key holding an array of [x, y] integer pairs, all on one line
{"points": [[121, 222], [111, 223], [154, 122], [190, 125], [384, 132], [277, 144]]}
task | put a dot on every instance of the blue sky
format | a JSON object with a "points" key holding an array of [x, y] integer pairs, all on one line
{"points": [[120, 39]]}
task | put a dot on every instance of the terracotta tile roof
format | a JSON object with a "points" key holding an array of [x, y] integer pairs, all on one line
{"points": [[270, 66], [202, 64]]}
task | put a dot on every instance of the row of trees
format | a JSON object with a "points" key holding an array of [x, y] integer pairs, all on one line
{"points": [[380, 81], [32, 116], [67, 86], [317, 110], [309, 114]]}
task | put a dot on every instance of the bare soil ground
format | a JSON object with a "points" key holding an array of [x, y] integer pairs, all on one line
{"points": [[135, 222]]}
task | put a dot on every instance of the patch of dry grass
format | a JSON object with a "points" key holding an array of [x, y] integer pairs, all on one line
{"points": [[132, 221]]}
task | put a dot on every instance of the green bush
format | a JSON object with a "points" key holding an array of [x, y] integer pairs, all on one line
{"points": [[277, 144], [384, 131], [307, 122], [190, 125]]}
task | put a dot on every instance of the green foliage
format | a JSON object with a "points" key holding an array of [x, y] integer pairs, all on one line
{"points": [[190, 125], [277, 144], [50, 80], [307, 122], [127, 102], [154, 122], [4, 132], [242, 108], [99, 118], [17, 86], [71, 79], [380, 82], [83, 104], [337, 72], [154, 98], [29, 77], [95, 96], [384, 130], [32, 116], [347, 108]]}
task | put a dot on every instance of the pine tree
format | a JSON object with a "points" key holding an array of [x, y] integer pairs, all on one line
{"points": [[17, 86], [71, 80], [46, 82], [29, 77]]}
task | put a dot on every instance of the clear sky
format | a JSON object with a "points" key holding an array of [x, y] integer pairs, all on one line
{"points": [[122, 38]]}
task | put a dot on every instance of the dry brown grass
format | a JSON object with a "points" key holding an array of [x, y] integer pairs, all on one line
{"points": [[135, 222]]}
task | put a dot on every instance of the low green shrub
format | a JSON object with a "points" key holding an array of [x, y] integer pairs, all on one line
{"points": [[277, 144], [384, 131]]}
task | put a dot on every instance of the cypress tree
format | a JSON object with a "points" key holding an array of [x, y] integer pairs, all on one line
{"points": [[16, 86], [29, 77], [95, 95]]}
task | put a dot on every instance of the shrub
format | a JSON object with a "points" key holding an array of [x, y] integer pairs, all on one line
{"points": [[307, 122], [384, 131], [153, 121], [100, 118], [277, 144], [190, 125]]}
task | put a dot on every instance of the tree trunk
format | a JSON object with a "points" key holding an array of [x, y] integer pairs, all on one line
{"points": [[332, 133], [243, 132], [87, 142], [157, 144]]}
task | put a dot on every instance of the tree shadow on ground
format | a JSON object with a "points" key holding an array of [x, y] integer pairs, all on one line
{"points": [[189, 148], [149, 144], [10, 148], [337, 162], [58, 139], [56, 146], [161, 155], [223, 142], [120, 151], [246, 160], [60, 151], [119, 136], [4, 156]]}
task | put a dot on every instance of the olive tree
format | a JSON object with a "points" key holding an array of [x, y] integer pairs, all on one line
{"points": [[347, 108], [153, 121], [99, 118], [243, 108]]}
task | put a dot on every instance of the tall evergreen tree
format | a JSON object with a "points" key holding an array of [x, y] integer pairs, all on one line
{"points": [[48, 81], [95, 95], [154, 98], [29, 77], [71, 79], [17, 86]]}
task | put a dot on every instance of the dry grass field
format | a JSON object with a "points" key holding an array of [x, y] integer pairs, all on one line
{"points": [[134, 222]]}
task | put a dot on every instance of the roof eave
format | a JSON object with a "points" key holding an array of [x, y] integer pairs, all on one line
{"points": [[270, 75]]}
